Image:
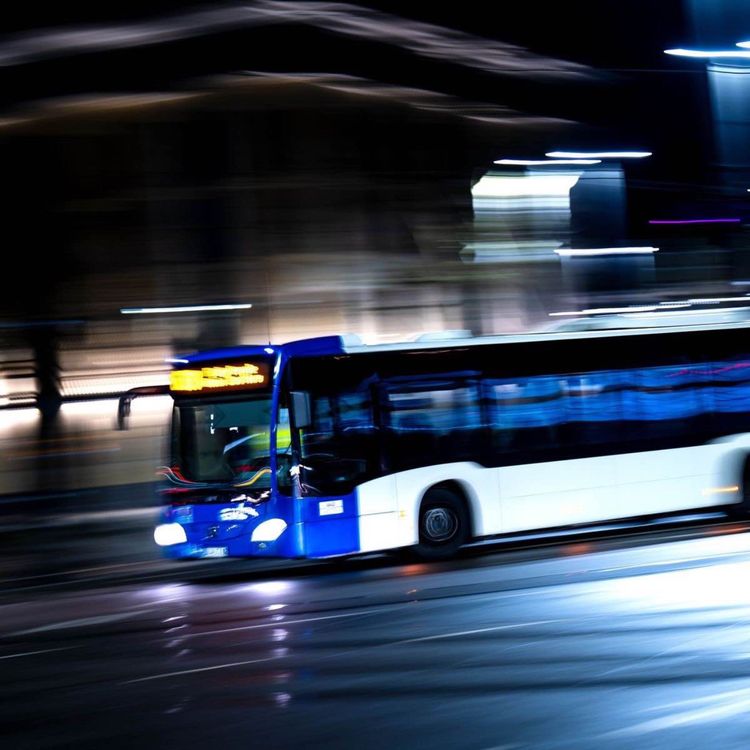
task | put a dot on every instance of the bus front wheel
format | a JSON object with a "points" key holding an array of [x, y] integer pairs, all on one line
{"points": [[443, 524]]}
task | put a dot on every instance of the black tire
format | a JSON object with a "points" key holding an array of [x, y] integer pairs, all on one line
{"points": [[443, 524]]}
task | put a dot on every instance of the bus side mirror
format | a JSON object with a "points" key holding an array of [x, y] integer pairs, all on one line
{"points": [[301, 406], [123, 404], [123, 411]]}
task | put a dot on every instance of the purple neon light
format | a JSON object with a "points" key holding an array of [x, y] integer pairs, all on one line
{"points": [[694, 221]]}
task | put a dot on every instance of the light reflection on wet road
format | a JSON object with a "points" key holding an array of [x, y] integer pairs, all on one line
{"points": [[641, 645]]}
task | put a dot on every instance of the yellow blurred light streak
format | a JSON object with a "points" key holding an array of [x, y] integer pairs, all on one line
{"points": [[729, 490]]}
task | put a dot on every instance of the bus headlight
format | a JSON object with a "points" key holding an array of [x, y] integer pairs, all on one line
{"points": [[268, 531], [166, 534]]}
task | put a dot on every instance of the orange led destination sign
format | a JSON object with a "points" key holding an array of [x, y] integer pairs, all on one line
{"points": [[224, 377]]}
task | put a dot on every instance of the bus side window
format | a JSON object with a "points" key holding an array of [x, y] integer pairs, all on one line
{"points": [[432, 423], [729, 393], [525, 415], [662, 404], [341, 446], [593, 411]]}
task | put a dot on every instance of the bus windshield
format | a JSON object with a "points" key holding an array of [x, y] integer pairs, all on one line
{"points": [[224, 441]]}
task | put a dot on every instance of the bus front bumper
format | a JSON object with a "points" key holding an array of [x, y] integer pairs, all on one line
{"points": [[193, 536]]}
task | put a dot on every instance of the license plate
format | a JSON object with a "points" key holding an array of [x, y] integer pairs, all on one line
{"points": [[215, 552]]}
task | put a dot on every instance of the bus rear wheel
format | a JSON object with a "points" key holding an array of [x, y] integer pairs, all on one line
{"points": [[443, 524]]}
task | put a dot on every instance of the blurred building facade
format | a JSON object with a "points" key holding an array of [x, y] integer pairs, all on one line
{"points": [[333, 203]]}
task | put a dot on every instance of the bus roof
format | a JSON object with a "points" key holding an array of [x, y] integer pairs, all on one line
{"points": [[348, 344]]}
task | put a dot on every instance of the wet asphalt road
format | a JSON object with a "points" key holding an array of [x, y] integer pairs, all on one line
{"points": [[638, 643], [641, 643]]}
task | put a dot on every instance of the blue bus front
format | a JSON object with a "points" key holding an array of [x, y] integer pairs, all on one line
{"points": [[230, 446]]}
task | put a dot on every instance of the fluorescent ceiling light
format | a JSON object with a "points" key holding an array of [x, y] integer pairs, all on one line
{"points": [[598, 154], [662, 308], [715, 300], [185, 308], [605, 311], [703, 53], [593, 251], [694, 221], [545, 162]]}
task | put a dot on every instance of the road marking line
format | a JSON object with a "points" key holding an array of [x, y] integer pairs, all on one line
{"points": [[472, 632], [199, 669], [80, 570], [79, 623], [43, 651]]}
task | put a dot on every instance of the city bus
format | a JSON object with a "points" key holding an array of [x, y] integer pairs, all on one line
{"points": [[327, 447]]}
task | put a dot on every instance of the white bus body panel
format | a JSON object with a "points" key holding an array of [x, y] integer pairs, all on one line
{"points": [[589, 490], [380, 524], [389, 506], [667, 480], [557, 493]]}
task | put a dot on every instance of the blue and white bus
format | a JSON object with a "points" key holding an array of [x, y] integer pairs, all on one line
{"points": [[328, 447]]}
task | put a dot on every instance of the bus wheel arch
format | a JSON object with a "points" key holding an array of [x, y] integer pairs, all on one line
{"points": [[444, 520]]}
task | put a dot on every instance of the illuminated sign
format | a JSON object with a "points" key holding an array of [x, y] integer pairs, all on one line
{"points": [[224, 377]]}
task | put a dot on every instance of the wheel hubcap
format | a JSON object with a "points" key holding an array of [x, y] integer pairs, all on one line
{"points": [[440, 524]]}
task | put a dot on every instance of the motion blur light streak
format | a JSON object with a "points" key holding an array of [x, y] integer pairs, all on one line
{"points": [[594, 251], [695, 221], [716, 300], [670, 312], [353, 21], [662, 308], [509, 252], [598, 154], [546, 162], [702, 53], [605, 310], [182, 308], [721, 490]]}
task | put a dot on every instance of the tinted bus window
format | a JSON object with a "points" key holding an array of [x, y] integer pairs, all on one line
{"points": [[340, 448], [524, 415], [431, 423]]}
